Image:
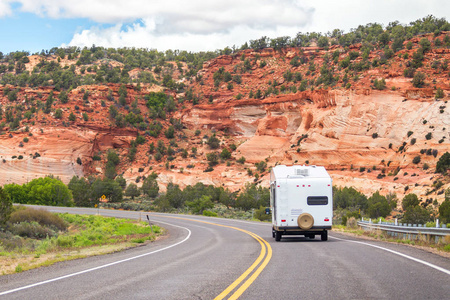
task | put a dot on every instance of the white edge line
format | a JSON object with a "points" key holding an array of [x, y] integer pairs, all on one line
{"points": [[398, 253], [99, 267]]}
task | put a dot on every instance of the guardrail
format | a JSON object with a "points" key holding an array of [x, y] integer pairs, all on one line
{"points": [[407, 231]]}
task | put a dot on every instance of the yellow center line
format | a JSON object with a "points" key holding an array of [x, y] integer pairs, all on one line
{"points": [[264, 245]]}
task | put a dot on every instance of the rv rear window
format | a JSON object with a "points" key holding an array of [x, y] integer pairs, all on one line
{"points": [[317, 200]]}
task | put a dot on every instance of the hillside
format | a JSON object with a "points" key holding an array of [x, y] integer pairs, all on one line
{"points": [[373, 112]]}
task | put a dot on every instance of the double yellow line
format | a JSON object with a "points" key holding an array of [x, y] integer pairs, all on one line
{"points": [[264, 257]]}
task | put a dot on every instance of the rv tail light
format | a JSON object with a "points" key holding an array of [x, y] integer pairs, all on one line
{"points": [[326, 219], [283, 220]]}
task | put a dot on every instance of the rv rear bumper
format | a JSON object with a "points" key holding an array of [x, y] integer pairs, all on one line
{"points": [[298, 230]]}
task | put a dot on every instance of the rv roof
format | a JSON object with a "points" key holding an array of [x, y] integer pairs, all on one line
{"points": [[283, 171]]}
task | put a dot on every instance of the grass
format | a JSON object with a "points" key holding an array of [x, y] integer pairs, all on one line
{"points": [[85, 236]]}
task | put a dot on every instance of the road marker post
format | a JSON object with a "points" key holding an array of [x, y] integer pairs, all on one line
{"points": [[150, 224]]}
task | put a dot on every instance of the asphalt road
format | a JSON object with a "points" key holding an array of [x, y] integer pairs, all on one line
{"points": [[208, 258]]}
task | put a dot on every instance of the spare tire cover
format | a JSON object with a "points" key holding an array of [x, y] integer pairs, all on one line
{"points": [[305, 221]]}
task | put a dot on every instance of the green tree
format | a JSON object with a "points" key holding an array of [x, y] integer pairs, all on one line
{"points": [[150, 186], [132, 191], [348, 197], [416, 215], [444, 210], [378, 206], [174, 195], [5, 207], [17, 193], [121, 181], [79, 188], [410, 200], [199, 205], [112, 161], [108, 187], [253, 196], [443, 164], [48, 191]]}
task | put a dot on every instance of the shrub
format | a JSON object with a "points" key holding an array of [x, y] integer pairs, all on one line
{"points": [[58, 113], [213, 142], [40, 216], [379, 84], [418, 80], [208, 213], [241, 160], [351, 223], [429, 136], [416, 160], [32, 230], [439, 94], [225, 154]]}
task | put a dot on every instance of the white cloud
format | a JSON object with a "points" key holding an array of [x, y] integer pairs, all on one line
{"points": [[196, 16], [5, 8], [196, 25]]}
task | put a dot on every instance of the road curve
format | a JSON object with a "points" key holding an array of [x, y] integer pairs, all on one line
{"points": [[208, 258]]}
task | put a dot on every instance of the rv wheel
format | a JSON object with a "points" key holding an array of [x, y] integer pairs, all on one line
{"points": [[324, 236], [273, 233], [277, 236]]}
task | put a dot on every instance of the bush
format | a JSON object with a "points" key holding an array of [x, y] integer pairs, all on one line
{"points": [[213, 142], [439, 94], [416, 160], [351, 223], [418, 80], [32, 230], [40, 216], [208, 213]]}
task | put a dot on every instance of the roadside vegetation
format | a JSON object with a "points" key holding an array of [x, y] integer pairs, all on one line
{"points": [[32, 238]]}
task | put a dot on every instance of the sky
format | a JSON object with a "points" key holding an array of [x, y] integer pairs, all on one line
{"points": [[192, 25]]}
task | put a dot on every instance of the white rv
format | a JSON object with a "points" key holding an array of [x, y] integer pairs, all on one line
{"points": [[301, 200]]}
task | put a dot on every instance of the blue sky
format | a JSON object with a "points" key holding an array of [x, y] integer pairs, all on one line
{"points": [[193, 25]]}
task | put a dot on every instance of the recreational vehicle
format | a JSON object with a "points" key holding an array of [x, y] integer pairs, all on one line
{"points": [[301, 200]]}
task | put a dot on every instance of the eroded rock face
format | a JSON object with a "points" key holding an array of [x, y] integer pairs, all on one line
{"points": [[348, 130]]}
